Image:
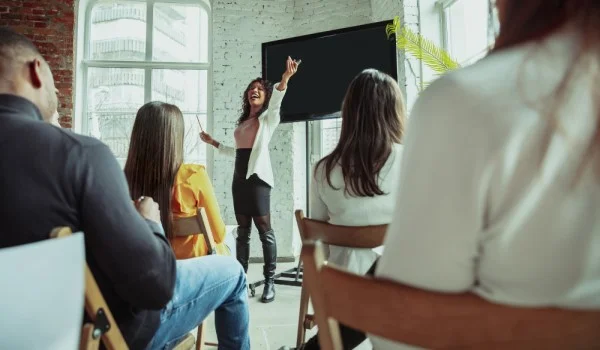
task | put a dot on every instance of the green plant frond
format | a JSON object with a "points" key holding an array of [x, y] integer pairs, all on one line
{"points": [[393, 27], [425, 50]]}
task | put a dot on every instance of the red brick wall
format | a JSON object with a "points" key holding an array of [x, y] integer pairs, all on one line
{"points": [[50, 24]]}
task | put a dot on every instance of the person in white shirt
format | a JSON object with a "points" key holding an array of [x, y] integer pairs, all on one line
{"points": [[356, 183], [253, 175], [499, 192]]}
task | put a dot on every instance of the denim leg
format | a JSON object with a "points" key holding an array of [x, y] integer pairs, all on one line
{"points": [[204, 285]]}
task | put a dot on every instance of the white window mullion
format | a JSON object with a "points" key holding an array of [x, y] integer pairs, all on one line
{"points": [[149, 50]]}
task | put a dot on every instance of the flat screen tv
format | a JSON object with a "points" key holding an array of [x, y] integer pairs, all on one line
{"points": [[330, 60]]}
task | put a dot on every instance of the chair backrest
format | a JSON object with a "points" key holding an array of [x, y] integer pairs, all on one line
{"points": [[103, 324], [193, 225], [343, 236], [42, 294], [435, 320]]}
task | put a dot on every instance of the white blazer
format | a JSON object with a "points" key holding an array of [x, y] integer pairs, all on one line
{"points": [[260, 160]]}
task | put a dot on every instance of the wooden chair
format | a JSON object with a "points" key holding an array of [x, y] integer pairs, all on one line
{"points": [[103, 326], [198, 224], [344, 236], [435, 320]]}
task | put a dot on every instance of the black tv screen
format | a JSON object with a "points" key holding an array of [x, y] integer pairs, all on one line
{"points": [[330, 60]]}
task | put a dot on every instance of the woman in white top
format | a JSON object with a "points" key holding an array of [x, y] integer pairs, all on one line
{"points": [[253, 175], [499, 192], [354, 185]]}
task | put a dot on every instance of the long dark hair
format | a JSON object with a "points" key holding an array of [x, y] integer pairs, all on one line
{"points": [[246, 102], [373, 114], [535, 20], [155, 155]]}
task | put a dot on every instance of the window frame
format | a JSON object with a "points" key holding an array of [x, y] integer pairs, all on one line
{"points": [[444, 5], [86, 63]]}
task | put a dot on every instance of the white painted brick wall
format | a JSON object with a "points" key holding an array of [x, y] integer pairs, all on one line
{"points": [[239, 28]]}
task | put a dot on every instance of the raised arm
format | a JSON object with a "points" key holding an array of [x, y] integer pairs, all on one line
{"points": [[273, 115], [131, 251]]}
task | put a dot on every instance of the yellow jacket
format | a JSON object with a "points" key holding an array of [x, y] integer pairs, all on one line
{"points": [[193, 189]]}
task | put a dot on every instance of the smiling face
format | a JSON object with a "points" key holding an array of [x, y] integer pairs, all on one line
{"points": [[256, 95]]}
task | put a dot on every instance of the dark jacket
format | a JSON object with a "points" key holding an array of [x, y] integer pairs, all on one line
{"points": [[51, 177]]}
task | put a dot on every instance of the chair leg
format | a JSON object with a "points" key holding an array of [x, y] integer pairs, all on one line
{"points": [[87, 341], [304, 298], [200, 337]]}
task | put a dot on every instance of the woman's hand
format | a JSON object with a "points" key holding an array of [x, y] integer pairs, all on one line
{"points": [[290, 70], [207, 138], [291, 67]]}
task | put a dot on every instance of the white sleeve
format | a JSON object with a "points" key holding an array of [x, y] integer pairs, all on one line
{"points": [[273, 112], [226, 150], [433, 240], [318, 209]]}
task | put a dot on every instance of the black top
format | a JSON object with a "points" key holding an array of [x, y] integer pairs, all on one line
{"points": [[51, 177]]}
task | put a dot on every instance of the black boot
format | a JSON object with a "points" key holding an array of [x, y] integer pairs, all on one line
{"points": [[269, 246], [242, 246]]}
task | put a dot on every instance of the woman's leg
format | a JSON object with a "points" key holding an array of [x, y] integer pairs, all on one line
{"points": [[269, 246], [242, 242]]}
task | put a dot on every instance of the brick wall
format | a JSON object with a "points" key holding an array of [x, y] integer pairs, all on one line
{"points": [[50, 24]]}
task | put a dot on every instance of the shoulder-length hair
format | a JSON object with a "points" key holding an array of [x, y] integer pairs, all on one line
{"points": [[373, 117], [155, 155], [246, 102]]}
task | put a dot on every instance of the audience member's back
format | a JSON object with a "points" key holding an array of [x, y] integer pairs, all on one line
{"points": [[355, 184], [508, 203], [53, 178]]}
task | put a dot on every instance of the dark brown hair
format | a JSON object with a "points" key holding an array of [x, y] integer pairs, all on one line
{"points": [[373, 114], [246, 102], [155, 155], [535, 20]]}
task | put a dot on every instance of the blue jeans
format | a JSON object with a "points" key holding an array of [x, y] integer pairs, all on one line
{"points": [[204, 285]]}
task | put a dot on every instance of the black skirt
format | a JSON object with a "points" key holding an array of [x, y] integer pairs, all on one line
{"points": [[252, 196]]}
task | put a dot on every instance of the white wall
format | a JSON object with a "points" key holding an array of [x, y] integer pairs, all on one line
{"points": [[239, 28]]}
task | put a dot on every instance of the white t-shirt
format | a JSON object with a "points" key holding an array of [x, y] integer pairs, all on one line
{"points": [[490, 199], [336, 207]]}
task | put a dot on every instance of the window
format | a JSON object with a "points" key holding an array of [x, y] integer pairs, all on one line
{"points": [[468, 28], [330, 135], [140, 51]]}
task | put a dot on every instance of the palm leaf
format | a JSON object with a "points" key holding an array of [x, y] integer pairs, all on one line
{"points": [[421, 48]]}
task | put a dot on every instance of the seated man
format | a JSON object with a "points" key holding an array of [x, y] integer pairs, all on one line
{"points": [[54, 178]]}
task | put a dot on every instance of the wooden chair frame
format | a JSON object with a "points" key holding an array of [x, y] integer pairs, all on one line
{"points": [[197, 224], [435, 320], [344, 236], [103, 326]]}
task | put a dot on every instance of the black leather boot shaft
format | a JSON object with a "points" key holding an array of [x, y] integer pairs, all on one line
{"points": [[269, 246], [242, 246]]}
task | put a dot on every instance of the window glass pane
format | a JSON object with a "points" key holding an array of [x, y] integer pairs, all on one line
{"points": [[180, 33], [194, 148], [467, 30], [118, 31], [330, 135], [113, 97], [185, 88]]}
